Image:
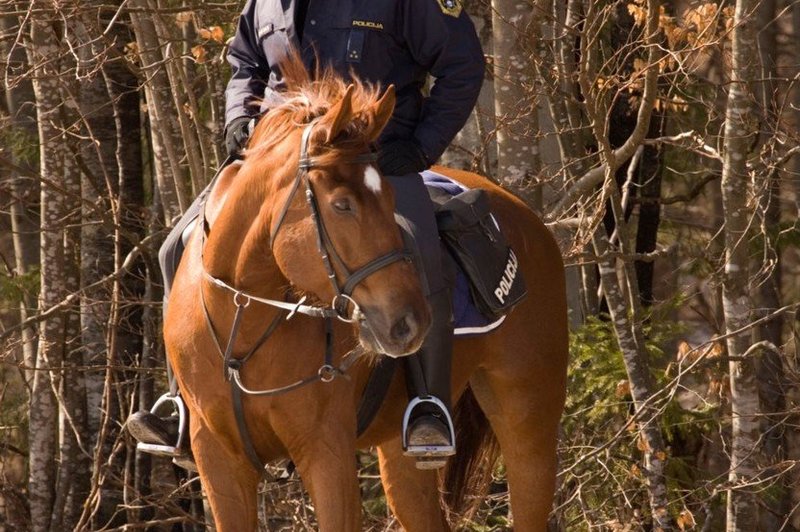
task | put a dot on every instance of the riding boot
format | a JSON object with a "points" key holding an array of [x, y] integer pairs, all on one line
{"points": [[149, 428], [427, 425], [164, 435]]}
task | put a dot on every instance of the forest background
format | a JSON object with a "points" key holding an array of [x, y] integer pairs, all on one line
{"points": [[659, 141]]}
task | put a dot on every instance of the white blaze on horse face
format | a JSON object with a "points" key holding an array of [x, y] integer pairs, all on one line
{"points": [[372, 179]]}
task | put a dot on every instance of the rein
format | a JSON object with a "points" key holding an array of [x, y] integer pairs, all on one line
{"points": [[338, 308]]}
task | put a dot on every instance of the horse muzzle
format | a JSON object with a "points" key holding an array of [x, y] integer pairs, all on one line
{"points": [[395, 334]]}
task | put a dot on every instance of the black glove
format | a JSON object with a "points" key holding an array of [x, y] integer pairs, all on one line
{"points": [[400, 157], [236, 134]]}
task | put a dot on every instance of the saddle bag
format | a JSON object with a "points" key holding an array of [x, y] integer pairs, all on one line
{"points": [[470, 232]]}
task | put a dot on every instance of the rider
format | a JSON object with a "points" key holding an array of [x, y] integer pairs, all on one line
{"points": [[387, 42]]}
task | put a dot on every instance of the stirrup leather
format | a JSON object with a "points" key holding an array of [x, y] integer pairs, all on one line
{"points": [[168, 450], [426, 451]]}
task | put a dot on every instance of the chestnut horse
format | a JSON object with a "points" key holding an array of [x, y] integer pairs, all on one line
{"points": [[262, 239]]}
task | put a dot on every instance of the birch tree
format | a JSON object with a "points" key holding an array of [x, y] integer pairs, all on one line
{"points": [[57, 199], [740, 130]]}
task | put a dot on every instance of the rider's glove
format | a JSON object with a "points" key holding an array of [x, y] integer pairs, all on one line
{"points": [[400, 157], [237, 133]]}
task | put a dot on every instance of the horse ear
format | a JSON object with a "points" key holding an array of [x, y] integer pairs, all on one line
{"points": [[339, 115], [382, 111]]}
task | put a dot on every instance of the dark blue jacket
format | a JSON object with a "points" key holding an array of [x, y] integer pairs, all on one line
{"points": [[388, 41]]}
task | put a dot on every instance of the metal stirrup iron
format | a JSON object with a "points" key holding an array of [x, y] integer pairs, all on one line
{"points": [[428, 451], [168, 450]]}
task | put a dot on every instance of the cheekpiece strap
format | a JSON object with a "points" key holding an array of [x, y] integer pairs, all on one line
{"points": [[306, 162]]}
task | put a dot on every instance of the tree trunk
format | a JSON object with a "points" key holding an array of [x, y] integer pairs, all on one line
{"points": [[129, 290], [649, 183], [167, 151], [72, 483], [112, 225], [518, 162], [770, 372], [99, 217], [793, 356], [43, 52], [622, 298], [742, 507]]}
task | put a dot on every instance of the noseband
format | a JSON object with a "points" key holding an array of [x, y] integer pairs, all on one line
{"points": [[342, 293]]}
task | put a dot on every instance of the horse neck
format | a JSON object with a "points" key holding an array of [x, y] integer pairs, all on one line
{"points": [[238, 249]]}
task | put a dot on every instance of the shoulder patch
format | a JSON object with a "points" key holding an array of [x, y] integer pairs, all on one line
{"points": [[450, 7]]}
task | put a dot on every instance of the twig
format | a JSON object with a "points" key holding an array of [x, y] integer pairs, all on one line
{"points": [[140, 248]]}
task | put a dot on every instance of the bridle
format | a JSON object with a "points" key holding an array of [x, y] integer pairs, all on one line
{"points": [[342, 293], [338, 308]]}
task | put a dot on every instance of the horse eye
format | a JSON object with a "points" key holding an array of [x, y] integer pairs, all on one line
{"points": [[342, 205]]}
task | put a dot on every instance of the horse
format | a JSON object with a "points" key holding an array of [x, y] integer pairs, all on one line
{"points": [[265, 253]]}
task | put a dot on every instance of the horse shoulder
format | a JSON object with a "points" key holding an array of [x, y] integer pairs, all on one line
{"points": [[219, 191]]}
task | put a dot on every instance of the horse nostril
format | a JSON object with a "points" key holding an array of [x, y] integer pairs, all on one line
{"points": [[405, 328]]}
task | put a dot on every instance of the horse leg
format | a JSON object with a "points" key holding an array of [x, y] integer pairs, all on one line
{"points": [[327, 464], [229, 479], [524, 413], [412, 494]]}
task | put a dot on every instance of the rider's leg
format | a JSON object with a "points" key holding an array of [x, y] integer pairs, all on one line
{"points": [[428, 432], [143, 425]]}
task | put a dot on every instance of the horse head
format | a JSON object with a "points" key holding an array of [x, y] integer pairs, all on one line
{"points": [[330, 212]]}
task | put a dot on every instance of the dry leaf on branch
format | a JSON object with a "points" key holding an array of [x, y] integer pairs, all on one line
{"points": [[199, 53]]}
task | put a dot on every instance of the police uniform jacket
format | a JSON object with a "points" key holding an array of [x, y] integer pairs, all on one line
{"points": [[387, 41]]}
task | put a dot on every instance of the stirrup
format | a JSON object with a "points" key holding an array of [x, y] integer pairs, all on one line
{"points": [[428, 452], [168, 450]]}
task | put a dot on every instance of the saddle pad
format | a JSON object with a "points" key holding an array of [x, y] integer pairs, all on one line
{"points": [[469, 321]]}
